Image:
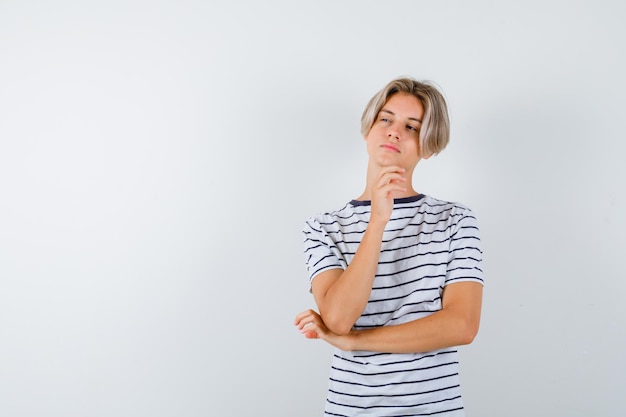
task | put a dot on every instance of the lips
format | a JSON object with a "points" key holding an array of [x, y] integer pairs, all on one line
{"points": [[391, 147]]}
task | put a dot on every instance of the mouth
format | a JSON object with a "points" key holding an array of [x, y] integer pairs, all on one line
{"points": [[391, 147]]}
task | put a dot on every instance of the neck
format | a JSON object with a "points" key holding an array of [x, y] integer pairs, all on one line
{"points": [[373, 172]]}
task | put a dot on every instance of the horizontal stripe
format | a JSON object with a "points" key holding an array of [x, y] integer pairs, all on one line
{"points": [[427, 244]]}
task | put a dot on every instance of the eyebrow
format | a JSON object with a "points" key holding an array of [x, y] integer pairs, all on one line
{"points": [[393, 114]]}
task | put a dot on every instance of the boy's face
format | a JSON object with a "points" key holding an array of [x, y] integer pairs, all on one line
{"points": [[394, 136]]}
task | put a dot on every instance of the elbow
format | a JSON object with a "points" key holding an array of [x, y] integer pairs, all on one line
{"points": [[467, 333], [337, 325], [467, 338]]}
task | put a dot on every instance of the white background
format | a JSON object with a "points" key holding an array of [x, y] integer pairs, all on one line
{"points": [[158, 160]]}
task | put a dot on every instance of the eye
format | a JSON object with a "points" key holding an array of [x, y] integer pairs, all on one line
{"points": [[384, 119], [412, 128]]}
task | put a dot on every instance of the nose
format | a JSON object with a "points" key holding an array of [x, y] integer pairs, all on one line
{"points": [[393, 132]]}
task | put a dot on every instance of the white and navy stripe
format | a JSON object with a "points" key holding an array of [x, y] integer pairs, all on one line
{"points": [[427, 244]]}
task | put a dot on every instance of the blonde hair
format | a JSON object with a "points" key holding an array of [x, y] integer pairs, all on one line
{"points": [[435, 131]]}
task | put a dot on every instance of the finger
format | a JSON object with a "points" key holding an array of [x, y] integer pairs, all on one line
{"points": [[386, 189], [306, 321], [311, 335], [309, 324], [390, 178], [393, 168], [306, 327], [311, 330], [302, 315]]}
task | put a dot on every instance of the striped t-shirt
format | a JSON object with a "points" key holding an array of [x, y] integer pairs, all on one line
{"points": [[427, 244]]}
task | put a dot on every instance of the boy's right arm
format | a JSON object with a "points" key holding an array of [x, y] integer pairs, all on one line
{"points": [[342, 295]]}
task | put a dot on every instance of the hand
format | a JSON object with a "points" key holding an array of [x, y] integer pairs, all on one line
{"points": [[311, 325], [390, 181]]}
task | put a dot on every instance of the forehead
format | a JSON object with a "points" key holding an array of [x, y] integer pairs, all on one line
{"points": [[404, 105]]}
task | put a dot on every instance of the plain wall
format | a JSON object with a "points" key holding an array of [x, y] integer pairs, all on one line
{"points": [[158, 160]]}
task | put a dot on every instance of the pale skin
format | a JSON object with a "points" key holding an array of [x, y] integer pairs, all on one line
{"points": [[341, 295]]}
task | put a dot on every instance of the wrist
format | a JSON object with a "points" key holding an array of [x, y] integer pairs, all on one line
{"points": [[376, 225], [350, 340]]}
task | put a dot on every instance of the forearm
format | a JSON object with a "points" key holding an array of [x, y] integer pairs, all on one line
{"points": [[344, 301], [436, 331]]}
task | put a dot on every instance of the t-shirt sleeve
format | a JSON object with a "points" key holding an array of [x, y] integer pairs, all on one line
{"points": [[320, 251], [465, 261]]}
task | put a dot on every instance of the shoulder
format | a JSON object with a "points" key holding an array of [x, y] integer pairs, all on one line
{"points": [[452, 209], [320, 220]]}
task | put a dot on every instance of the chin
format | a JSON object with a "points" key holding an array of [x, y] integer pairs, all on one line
{"points": [[385, 162]]}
